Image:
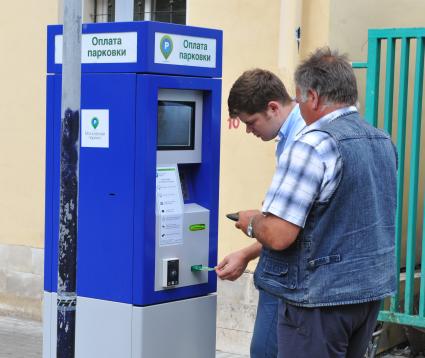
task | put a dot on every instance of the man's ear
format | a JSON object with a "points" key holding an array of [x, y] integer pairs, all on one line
{"points": [[273, 106], [315, 100]]}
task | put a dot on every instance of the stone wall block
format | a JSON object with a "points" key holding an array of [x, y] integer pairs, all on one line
{"points": [[251, 292], [236, 316], [241, 290], [12, 305], [233, 341], [236, 311], [25, 285], [19, 259], [3, 281], [37, 264], [4, 255], [21, 281]]}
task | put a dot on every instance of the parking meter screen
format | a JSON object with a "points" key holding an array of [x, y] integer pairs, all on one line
{"points": [[176, 125]]}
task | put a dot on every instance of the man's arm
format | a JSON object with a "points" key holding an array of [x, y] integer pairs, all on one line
{"points": [[269, 230], [234, 264], [295, 187]]}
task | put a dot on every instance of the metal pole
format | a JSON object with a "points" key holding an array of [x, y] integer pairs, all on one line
{"points": [[171, 10], [95, 11], [67, 250], [148, 10], [124, 10]]}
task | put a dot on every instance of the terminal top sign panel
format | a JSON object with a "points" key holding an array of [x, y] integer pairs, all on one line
{"points": [[118, 47], [143, 47], [181, 50]]}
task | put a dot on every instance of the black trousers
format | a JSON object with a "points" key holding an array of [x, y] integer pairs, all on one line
{"points": [[325, 332]]}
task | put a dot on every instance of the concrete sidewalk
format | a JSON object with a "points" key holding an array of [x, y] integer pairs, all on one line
{"points": [[20, 338], [23, 339]]}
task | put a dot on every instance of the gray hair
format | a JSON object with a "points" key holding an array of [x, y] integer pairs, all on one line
{"points": [[330, 75]]}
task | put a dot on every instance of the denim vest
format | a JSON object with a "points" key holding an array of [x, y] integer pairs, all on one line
{"points": [[345, 253]]}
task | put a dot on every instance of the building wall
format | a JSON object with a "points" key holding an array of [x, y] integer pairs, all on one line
{"points": [[349, 24], [22, 95], [256, 34], [348, 18], [22, 148], [246, 163], [251, 37], [315, 28]]}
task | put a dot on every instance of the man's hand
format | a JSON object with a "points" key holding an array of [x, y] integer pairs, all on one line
{"points": [[232, 266], [244, 217]]}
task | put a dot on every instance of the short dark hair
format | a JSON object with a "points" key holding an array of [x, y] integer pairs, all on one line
{"points": [[253, 90], [330, 75]]}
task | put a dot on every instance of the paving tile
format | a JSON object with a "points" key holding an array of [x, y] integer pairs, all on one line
{"points": [[20, 338]]}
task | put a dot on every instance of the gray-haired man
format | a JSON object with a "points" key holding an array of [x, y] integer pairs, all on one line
{"points": [[328, 220]]}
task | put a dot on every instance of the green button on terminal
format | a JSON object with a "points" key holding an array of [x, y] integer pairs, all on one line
{"points": [[197, 227]]}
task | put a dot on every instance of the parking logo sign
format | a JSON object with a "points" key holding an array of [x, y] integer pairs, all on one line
{"points": [[166, 45]]}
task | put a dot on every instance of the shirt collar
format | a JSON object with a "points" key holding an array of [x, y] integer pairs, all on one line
{"points": [[290, 121], [329, 118]]}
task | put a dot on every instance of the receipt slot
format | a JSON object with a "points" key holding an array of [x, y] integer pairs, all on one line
{"points": [[148, 190]]}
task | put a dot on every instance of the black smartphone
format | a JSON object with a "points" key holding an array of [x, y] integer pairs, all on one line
{"points": [[233, 216]]}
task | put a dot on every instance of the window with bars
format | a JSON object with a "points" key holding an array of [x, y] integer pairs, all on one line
{"points": [[173, 11], [104, 10]]}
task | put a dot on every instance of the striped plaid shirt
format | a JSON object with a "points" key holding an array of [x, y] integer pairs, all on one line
{"points": [[308, 171]]}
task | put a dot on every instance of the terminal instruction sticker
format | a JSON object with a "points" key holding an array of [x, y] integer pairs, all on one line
{"points": [[95, 128], [119, 47], [182, 50], [169, 206]]}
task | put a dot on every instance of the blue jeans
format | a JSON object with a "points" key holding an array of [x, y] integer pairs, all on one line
{"points": [[264, 337]]}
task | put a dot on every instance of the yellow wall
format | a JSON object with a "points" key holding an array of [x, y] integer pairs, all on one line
{"points": [[251, 39], [349, 18], [22, 118], [315, 25], [256, 34], [350, 21]]}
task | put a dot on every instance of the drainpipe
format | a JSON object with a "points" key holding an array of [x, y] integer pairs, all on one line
{"points": [[290, 35], [124, 10]]}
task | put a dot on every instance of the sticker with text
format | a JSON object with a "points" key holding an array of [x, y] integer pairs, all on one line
{"points": [[95, 128]]}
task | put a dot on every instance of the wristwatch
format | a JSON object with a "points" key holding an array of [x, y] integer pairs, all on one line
{"points": [[250, 228]]}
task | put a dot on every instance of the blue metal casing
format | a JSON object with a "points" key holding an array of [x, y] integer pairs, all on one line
{"points": [[145, 48], [116, 222]]}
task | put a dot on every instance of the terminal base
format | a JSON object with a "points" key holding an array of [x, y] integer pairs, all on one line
{"points": [[179, 329]]}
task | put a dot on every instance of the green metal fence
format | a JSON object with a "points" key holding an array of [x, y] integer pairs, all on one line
{"points": [[402, 64]]}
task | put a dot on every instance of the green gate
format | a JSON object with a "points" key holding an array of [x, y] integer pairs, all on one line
{"points": [[388, 86]]}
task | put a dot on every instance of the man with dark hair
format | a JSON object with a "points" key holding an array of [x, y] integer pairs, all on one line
{"points": [[260, 100], [328, 220]]}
